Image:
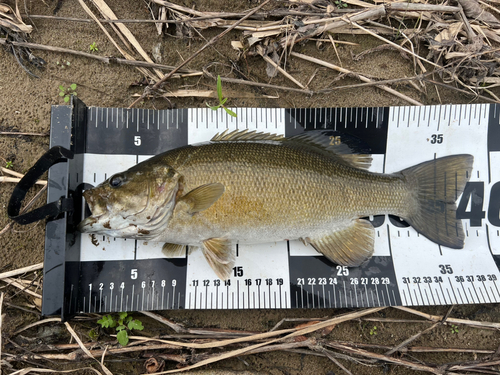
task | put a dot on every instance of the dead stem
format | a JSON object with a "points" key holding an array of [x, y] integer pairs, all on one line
{"points": [[208, 44], [84, 349], [21, 271], [357, 75], [176, 327]]}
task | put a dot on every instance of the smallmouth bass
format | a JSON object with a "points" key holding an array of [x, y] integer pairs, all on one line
{"points": [[246, 187]]}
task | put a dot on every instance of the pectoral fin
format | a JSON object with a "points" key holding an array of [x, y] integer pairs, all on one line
{"points": [[219, 254], [348, 247], [203, 197], [171, 250]]}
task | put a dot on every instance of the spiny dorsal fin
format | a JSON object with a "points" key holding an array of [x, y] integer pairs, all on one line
{"points": [[338, 147], [245, 135]]}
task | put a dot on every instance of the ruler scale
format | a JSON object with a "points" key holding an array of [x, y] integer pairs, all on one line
{"points": [[102, 274]]}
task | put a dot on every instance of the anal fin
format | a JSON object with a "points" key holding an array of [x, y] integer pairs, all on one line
{"points": [[220, 256], [171, 250], [348, 247]]}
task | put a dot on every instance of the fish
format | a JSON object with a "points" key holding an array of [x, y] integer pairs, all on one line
{"points": [[246, 188]]}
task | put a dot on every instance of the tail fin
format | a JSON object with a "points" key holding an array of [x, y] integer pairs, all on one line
{"points": [[436, 185]]}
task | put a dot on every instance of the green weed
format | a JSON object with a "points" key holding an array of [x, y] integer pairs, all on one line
{"points": [[67, 92], [222, 100], [123, 323]]}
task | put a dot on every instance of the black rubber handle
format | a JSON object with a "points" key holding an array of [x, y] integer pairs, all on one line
{"points": [[55, 155]]}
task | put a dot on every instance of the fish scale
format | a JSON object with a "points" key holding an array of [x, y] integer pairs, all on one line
{"points": [[406, 268]]}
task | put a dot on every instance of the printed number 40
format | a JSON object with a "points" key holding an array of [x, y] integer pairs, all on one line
{"points": [[474, 193]]}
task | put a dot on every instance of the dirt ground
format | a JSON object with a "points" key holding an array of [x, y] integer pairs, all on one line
{"points": [[25, 104]]}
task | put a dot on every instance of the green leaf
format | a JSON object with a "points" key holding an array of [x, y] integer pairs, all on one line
{"points": [[66, 98], [106, 321], [219, 88], [62, 93], [223, 101], [121, 327], [215, 108], [62, 88], [122, 315], [122, 337], [135, 324], [230, 113], [73, 87]]}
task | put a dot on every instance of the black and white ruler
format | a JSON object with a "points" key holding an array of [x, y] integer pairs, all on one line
{"points": [[111, 275]]}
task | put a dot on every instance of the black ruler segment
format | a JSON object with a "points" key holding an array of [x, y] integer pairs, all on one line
{"points": [[128, 285], [494, 128], [370, 125], [315, 282], [135, 131]]}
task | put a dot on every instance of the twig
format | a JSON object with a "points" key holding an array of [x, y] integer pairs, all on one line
{"points": [[25, 371], [16, 180], [49, 320], [382, 357], [208, 44], [405, 343], [393, 44], [22, 287], [85, 350], [334, 360], [176, 327], [437, 318], [22, 133], [266, 85], [21, 271], [416, 349], [260, 51], [360, 77], [1, 319], [106, 60], [294, 320]]}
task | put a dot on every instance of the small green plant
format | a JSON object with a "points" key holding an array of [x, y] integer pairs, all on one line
{"points": [[454, 328], [123, 323], [93, 334], [373, 331], [9, 164], [67, 92], [340, 4], [222, 100], [93, 47]]}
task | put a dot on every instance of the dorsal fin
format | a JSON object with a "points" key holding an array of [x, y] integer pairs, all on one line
{"points": [[337, 146], [245, 135]]}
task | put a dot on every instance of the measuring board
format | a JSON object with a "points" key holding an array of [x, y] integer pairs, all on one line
{"points": [[111, 275]]}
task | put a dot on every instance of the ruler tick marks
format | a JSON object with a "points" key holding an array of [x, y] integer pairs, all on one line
{"points": [[345, 294], [482, 295], [383, 300], [453, 290]]}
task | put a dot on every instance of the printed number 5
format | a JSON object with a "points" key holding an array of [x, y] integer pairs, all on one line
{"points": [[137, 140], [133, 274]]}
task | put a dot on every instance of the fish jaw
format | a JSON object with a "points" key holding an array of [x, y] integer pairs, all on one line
{"points": [[113, 226]]}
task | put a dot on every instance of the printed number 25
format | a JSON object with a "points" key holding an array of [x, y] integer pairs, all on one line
{"points": [[137, 140]]}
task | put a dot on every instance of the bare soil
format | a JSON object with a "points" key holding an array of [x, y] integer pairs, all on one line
{"points": [[25, 105]]}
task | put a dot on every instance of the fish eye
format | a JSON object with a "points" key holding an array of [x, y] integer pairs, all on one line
{"points": [[116, 181]]}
